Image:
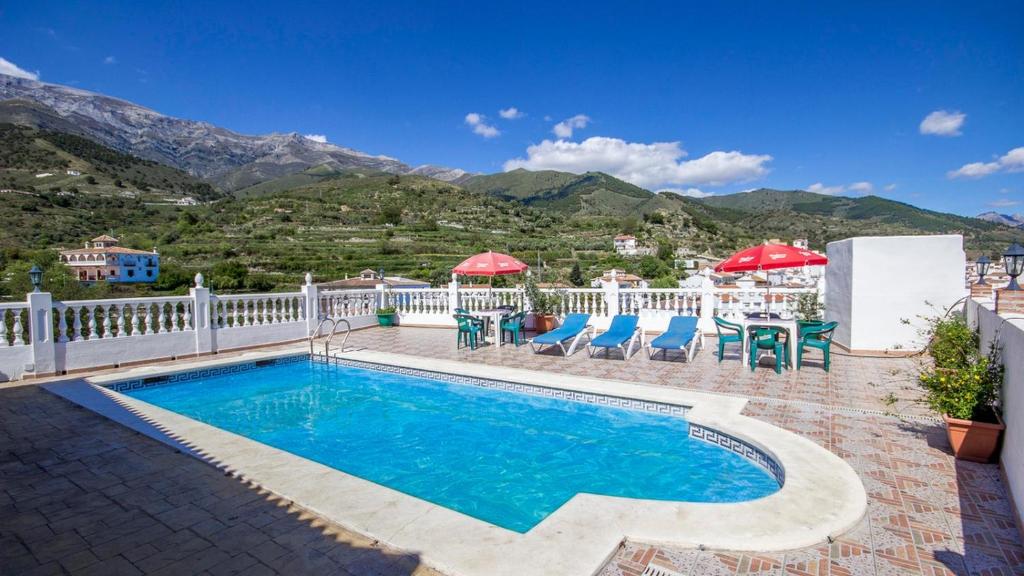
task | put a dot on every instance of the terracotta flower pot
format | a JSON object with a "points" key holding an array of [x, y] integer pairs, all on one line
{"points": [[543, 323], [973, 441]]}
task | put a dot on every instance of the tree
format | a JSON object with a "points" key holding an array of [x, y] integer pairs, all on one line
{"points": [[394, 180], [118, 183], [575, 275], [90, 180], [390, 214], [666, 251], [629, 225]]}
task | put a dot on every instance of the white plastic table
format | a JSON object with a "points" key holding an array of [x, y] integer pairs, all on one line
{"points": [[789, 325], [494, 316]]}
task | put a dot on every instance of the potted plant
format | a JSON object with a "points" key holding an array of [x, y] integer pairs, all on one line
{"points": [[963, 385], [542, 306], [386, 316]]}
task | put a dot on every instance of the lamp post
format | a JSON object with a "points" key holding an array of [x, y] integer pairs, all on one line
{"points": [[36, 276], [981, 266], [1014, 260]]}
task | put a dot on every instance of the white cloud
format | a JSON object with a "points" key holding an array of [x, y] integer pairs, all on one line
{"points": [[819, 188], [480, 127], [110, 60], [653, 166], [862, 187], [1012, 161], [565, 128], [890, 187], [511, 113], [321, 138], [691, 192], [943, 123], [1003, 203], [12, 69]]}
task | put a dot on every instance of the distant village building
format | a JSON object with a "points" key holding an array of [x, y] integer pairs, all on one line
{"points": [[625, 244], [802, 243], [44, 174], [103, 260], [187, 201], [73, 173], [619, 277], [368, 280]]}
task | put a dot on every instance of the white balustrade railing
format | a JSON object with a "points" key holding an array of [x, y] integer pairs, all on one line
{"points": [[682, 301], [419, 301], [735, 304], [236, 311], [78, 320], [347, 303], [14, 319]]}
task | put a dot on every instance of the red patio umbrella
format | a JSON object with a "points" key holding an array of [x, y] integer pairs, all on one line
{"points": [[770, 257], [490, 264]]}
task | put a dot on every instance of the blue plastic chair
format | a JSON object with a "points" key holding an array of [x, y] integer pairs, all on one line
{"points": [[572, 328], [623, 329], [682, 332]]}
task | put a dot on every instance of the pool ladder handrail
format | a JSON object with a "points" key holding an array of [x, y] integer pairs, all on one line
{"points": [[334, 327]]}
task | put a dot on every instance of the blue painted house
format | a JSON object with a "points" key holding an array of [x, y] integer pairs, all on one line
{"points": [[103, 260]]}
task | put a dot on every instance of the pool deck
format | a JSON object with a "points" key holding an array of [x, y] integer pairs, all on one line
{"points": [[80, 494]]}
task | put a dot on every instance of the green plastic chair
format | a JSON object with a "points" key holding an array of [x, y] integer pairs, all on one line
{"points": [[515, 325], [462, 311], [801, 325], [769, 338], [469, 329], [733, 333], [819, 337]]}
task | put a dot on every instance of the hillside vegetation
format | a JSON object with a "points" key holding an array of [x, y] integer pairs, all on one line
{"points": [[336, 222]]}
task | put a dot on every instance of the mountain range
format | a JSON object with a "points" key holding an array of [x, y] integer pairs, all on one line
{"points": [[1013, 220], [227, 159]]}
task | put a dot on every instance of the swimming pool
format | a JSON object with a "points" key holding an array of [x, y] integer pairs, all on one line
{"points": [[507, 458]]}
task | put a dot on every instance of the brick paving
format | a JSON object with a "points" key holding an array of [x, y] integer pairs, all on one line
{"points": [[82, 495]]}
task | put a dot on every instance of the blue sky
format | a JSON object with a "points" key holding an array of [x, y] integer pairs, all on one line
{"points": [[703, 98]]}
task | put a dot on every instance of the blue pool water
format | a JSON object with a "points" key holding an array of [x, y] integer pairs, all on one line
{"points": [[506, 458]]}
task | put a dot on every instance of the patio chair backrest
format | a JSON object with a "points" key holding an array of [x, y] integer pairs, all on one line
{"points": [[721, 324], [682, 324], [623, 323], [461, 311], [575, 322], [824, 331], [464, 321]]}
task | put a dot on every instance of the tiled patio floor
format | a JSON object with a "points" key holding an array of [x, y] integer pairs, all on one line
{"points": [[928, 513], [79, 494]]}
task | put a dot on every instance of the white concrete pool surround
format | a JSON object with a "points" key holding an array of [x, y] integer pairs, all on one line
{"points": [[822, 496]]}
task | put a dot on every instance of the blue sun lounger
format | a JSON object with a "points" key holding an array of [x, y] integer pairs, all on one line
{"points": [[573, 327], [623, 329], [682, 332]]}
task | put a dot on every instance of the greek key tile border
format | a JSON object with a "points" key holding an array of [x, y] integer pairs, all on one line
{"points": [[140, 383], [533, 390], [754, 454]]}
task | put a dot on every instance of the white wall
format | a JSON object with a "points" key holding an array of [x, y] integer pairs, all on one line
{"points": [[1009, 337], [13, 360], [875, 284]]}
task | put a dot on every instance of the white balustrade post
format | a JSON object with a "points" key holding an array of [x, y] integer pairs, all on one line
{"points": [[40, 330], [453, 294], [708, 300], [201, 305], [311, 304], [611, 294]]}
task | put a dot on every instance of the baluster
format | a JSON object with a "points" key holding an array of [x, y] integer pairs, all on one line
{"points": [[3, 329], [91, 312], [121, 331], [175, 327], [286, 310], [106, 321], [187, 316], [264, 320], [19, 338], [161, 317], [149, 318], [135, 319], [62, 325]]}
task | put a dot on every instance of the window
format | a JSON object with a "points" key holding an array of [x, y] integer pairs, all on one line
{"points": [[131, 273], [149, 273], [113, 272]]}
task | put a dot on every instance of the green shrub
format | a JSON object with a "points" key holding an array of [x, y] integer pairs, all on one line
{"points": [[961, 382]]}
